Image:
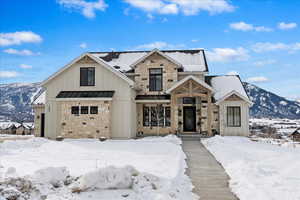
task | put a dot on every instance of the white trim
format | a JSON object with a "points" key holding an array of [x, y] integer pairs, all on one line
{"points": [[129, 81], [152, 52], [236, 93], [84, 99], [186, 79], [153, 101]]}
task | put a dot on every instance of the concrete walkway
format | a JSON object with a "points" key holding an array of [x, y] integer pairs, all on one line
{"points": [[208, 176]]}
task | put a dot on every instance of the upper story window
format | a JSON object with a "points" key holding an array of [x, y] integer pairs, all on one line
{"points": [[87, 76], [233, 116], [155, 79]]}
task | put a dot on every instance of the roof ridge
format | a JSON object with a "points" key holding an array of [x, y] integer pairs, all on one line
{"points": [[147, 51]]}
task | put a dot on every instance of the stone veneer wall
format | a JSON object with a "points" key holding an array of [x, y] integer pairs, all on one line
{"points": [[38, 110], [85, 125], [155, 61]]}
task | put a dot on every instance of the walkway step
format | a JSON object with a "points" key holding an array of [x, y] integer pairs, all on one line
{"points": [[208, 176]]}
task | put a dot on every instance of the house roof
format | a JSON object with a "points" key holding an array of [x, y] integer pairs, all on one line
{"points": [[190, 60], [296, 132], [153, 97], [40, 98], [226, 85], [85, 94], [190, 77]]}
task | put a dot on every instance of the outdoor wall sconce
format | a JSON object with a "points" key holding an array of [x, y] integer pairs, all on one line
{"points": [[179, 112]]}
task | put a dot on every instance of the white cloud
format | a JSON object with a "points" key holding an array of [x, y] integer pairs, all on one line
{"points": [[232, 73], [187, 7], [261, 63], [257, 79], [242, 26], [227, 54], [87, 8], [268, 46], [24, 52], [8, 74], [286, 26], [159, 45], [150, 16], [17, 38], [194, 40], [24, 66], [83, 45]]}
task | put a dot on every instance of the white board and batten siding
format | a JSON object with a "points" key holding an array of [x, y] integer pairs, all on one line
{"points": [[243, 130], [123, 121]]}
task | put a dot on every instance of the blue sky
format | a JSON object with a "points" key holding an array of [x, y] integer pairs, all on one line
{"points": [[258, 39]]}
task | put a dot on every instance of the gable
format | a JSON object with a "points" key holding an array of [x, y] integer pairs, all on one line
{"points": [[233, 97], [87, 59], [155, 55]]}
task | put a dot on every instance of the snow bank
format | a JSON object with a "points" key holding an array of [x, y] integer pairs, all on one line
{"points": [[257, 170], [144, 169], [106, 178]]}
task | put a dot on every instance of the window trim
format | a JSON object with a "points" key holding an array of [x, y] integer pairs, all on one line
{"points": [[156, 75], [234, 119], [81, 82]]}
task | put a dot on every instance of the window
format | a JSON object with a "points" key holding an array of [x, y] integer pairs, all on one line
{"points": [[153, 116], [167, 116], [87, 76], [155, 79], [146, 116], [84, 110], [157, 116], [94, 110], [233, 116], [75, 110], [188, 100]]}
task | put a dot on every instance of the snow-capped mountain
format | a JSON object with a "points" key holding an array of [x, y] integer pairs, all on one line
{"points": [[16, 98], [270, 105], [15, 101]]}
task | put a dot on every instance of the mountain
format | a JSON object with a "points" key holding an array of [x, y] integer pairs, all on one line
{"points": [[15, 102], [270, 105]]}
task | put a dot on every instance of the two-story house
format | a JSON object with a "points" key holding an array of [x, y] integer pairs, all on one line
{"points": [[130, 93]]}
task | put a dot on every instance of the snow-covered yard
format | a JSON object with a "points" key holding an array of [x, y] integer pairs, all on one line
{"points": [[258, 170], [150, 168]]}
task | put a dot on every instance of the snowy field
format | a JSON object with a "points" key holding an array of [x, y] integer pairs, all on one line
{"points": [[150, 169], [284, 127], [258, 170]]}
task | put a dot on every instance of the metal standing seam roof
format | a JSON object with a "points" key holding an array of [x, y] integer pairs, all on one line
{"points": [[153, 97], [85, 94]]}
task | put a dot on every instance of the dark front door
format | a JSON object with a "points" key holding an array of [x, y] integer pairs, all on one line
{"points": [[43, 125], [189, 118]]}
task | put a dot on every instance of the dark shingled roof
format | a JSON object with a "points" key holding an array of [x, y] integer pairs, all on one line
{"points": [[85, 94], [121, 59], [153, 97]]}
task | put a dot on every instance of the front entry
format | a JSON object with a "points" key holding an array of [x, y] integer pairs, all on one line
{"points": [[189, 118]]}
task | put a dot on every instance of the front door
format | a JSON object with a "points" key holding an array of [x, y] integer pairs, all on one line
{"points": [[42, 125], [189, 118]]}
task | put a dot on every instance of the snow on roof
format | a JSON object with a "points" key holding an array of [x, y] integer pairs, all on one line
{"points": [[28, 125], [191, 60], [223, 85], [40, 99], [5, 125]]}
